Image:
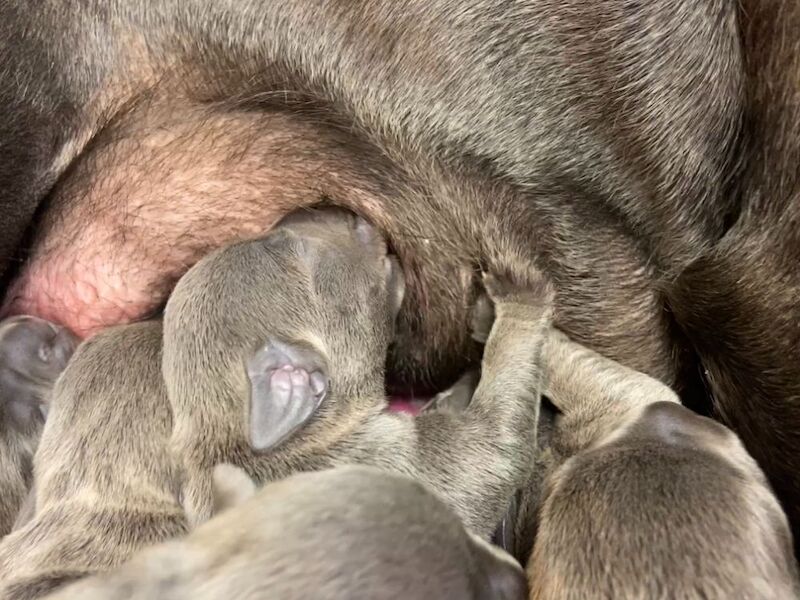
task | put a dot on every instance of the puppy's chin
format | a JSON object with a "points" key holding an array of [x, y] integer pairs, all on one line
{"points": [[25, 416]]}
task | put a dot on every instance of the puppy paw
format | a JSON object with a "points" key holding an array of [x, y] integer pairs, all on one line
{"points": [[456, 398], [530, 289], [287, 384]]}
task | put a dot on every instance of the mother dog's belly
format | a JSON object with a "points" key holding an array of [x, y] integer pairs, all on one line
{"points": [[157, 191], [144, 204]]}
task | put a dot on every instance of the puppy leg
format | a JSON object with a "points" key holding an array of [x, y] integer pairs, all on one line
{"points": [[477, 458]]}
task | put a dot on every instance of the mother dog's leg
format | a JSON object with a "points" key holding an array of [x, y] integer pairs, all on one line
{"points": [[740, 302]]}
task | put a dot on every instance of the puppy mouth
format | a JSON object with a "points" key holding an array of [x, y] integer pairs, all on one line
{"points": [[408, 403]]}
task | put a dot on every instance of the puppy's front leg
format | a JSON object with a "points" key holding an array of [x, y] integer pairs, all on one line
{"points": [[476, 459]]}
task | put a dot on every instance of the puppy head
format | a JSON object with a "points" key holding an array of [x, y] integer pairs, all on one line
{"points": [[263, 336], [33, 353]]}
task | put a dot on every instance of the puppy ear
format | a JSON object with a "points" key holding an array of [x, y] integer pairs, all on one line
{"points": [[395, 284], [503, 577], [288, 382], [232, 486]]}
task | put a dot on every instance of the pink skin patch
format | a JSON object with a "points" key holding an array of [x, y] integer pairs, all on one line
{"points": [[85, 299], [142, 210], [410, 406]]}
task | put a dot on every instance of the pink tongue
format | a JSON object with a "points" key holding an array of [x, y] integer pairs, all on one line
{"points": [[405, 405]]}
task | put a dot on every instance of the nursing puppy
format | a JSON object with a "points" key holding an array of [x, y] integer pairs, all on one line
{"points": [[350, 532], [673, 123], [105, 485], [647, 499], [274, 354], [33, 353]]}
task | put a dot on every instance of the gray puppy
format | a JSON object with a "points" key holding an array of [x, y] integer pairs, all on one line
{"points": [[647, 499], [33, 353], [105, 485], [668, 129], [344, 533], [274, 354], [635, 496]]}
